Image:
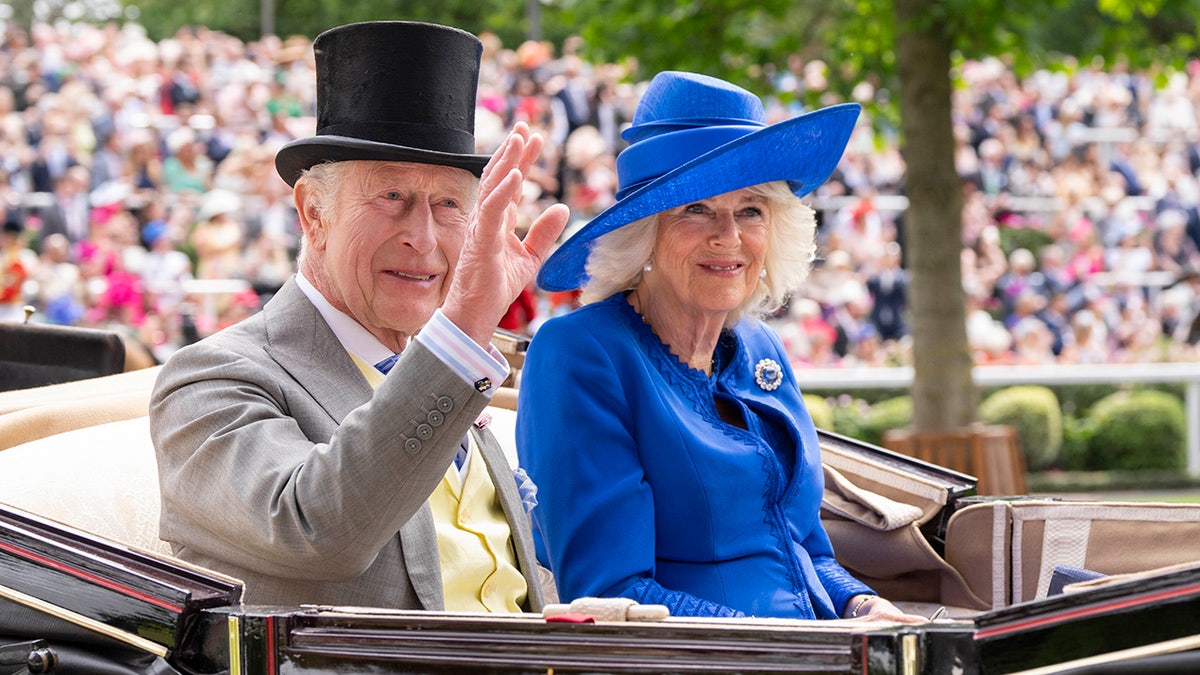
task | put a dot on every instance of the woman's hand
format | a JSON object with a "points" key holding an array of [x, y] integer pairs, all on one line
{"points": [[875, 608]]}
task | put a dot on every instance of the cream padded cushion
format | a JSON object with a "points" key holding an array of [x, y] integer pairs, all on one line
{"points": [[102, 479], [30, 414]]}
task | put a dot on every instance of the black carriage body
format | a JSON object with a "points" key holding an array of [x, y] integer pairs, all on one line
{"points": [[148, 613]]}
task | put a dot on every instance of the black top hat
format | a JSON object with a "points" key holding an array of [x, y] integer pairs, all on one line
{"points": [[392, 91]]}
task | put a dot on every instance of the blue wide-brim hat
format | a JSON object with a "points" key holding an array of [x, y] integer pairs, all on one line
{"points": [[695, 137]]}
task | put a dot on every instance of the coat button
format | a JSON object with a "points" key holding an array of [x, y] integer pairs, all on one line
{"points": [[424, 432], [412, 446], [435, 418], [445, 404]]}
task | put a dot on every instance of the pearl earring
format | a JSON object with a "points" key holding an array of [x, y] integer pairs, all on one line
{"points": [[648, 266], [762, 274]]}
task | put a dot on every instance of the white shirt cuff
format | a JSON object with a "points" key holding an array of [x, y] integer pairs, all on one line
{"points": [[484, 369]]}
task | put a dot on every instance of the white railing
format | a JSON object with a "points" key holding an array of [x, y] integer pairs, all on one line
{"points": [[1023, 204], [824, 379]]}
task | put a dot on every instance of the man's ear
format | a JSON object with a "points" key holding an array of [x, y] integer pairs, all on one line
{"points": [[310, 215]]}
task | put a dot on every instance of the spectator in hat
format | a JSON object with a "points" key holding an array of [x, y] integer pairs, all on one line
{"points": [[186, 169], [699, 485], [329, 449], [219, 236]]}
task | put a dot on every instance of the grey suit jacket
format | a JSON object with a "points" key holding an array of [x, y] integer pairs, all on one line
{"points": [[279, 465]]}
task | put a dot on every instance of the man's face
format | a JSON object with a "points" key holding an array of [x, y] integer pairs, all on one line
{"points": [[390, 240]]}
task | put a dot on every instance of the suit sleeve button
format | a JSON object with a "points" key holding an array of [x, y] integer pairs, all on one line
{"points": [[445, 404], [435, 418], [412, 446], [424, 432]]}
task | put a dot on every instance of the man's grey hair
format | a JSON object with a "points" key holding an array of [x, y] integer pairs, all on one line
{"points": [[617, 259], [323, 180]]}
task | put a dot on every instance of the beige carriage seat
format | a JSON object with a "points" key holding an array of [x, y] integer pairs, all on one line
{"points": [[30, 414], [1007, 551], [873, 513], [80, 453], [102, 479]]}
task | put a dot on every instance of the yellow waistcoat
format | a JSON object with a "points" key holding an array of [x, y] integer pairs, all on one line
{"points": [[479, 567]]}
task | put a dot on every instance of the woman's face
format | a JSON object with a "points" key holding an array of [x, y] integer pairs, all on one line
{"points": [[708, 254]]}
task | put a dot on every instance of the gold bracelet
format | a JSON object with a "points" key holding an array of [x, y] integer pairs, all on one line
{"points": [[854, 612]]}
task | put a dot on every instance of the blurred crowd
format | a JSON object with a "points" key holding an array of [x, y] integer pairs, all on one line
{"points": [[141, 195]]}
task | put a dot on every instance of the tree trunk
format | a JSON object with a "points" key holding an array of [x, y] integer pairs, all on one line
{"points": [[943, 393], [22, 15]]}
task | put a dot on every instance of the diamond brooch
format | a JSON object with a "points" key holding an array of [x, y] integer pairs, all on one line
{"points": [[768, 374]]}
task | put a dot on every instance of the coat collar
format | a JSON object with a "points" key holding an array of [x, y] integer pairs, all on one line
{"points": [[302, 344]]}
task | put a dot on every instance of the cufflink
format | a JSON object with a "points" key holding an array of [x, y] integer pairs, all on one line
{"points": [[483, 385]]}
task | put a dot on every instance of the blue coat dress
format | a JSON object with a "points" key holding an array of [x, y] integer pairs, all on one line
{"points": [[645, 493]]}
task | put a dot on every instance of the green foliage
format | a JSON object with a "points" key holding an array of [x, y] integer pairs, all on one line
{"points": [[1144, 33], [848, 414], [163, 18], [820, 410], [1151, 483], [1077, 434], [868, 397], [1137, 430], [1077, 399], [243, 18], [1013, 238], [733, 39], [892, 413], [748, 41], [1035, 413]]}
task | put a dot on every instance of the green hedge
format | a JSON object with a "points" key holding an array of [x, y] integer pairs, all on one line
{"points": [[820, 411], [1137, 430], [848, 413], [892, 413], [1143, 429], [1034, 412]]}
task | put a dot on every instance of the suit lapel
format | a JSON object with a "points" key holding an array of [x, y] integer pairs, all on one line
{"points": [[421, 558], [302, 344]]}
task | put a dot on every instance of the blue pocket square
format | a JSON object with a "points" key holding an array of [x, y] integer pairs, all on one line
{"points": [[527, 489]]}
